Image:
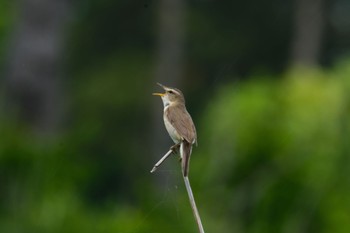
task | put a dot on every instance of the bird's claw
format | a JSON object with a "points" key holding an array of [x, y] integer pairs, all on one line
{"points": [[175, 148]]}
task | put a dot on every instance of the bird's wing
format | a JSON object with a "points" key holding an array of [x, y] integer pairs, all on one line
{"points": [[181, 120]]}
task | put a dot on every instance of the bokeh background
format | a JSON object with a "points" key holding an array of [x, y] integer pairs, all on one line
{"points": [[266, 82]]}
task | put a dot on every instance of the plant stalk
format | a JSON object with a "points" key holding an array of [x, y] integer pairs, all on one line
{"points": [[193, 204]]}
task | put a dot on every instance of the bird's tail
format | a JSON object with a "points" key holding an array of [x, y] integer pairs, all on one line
{"points": [[185, 152]]}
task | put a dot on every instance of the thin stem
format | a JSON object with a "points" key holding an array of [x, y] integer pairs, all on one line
{"points": [[193, 204], [173, 149]]}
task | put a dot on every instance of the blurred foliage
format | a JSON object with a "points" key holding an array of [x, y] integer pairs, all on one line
{"points": [[6, 21], [276, 153], [240, 35], [273, 152], [273, 156], [44, 189]]}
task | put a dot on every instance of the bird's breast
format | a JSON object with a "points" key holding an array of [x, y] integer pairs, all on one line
{"points": [[175, 136]]}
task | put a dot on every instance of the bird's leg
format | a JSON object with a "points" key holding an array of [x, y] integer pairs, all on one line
{"points": [[173, 150]]}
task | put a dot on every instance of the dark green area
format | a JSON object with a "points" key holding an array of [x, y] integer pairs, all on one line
{"points": [[273, 153]]}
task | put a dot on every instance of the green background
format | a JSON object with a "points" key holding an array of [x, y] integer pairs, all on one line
{"points": [[273, 149]]}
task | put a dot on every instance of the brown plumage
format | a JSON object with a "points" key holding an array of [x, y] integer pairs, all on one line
{"points": [[179, 124], [182, 122]]}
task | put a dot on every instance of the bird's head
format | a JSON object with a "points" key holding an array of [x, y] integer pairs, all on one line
{"points": [[171, 95]]}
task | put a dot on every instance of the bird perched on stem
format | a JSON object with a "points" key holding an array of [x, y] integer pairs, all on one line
{"points": [[181, 129], [179, 124]]}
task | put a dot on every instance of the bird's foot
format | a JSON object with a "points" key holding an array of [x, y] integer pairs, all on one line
{"points": [[175, 148]]}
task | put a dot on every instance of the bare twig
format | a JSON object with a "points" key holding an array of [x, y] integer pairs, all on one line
{"points": [[173, 149], [193, 204]]}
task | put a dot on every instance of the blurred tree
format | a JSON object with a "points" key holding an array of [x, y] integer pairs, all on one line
{"points": [[278, 157], [272, 155], [169, 63], [309, 22], [34, 75]]}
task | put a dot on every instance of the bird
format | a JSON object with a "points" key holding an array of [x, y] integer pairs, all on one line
{"points": [[179, 124]]}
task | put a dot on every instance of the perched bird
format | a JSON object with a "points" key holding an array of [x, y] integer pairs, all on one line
{"points": [[178, 123]]}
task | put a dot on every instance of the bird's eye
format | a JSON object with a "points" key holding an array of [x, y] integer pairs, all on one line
{"points": [[170, 92]]}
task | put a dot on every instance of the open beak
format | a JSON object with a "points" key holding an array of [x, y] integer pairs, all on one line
{"points": [[161, 85], [159, 94]]}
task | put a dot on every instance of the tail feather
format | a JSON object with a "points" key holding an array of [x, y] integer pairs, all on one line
{"points": [[185, 152]]}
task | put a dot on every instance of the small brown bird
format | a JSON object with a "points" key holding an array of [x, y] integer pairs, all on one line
{"points": [[178, 123]]}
